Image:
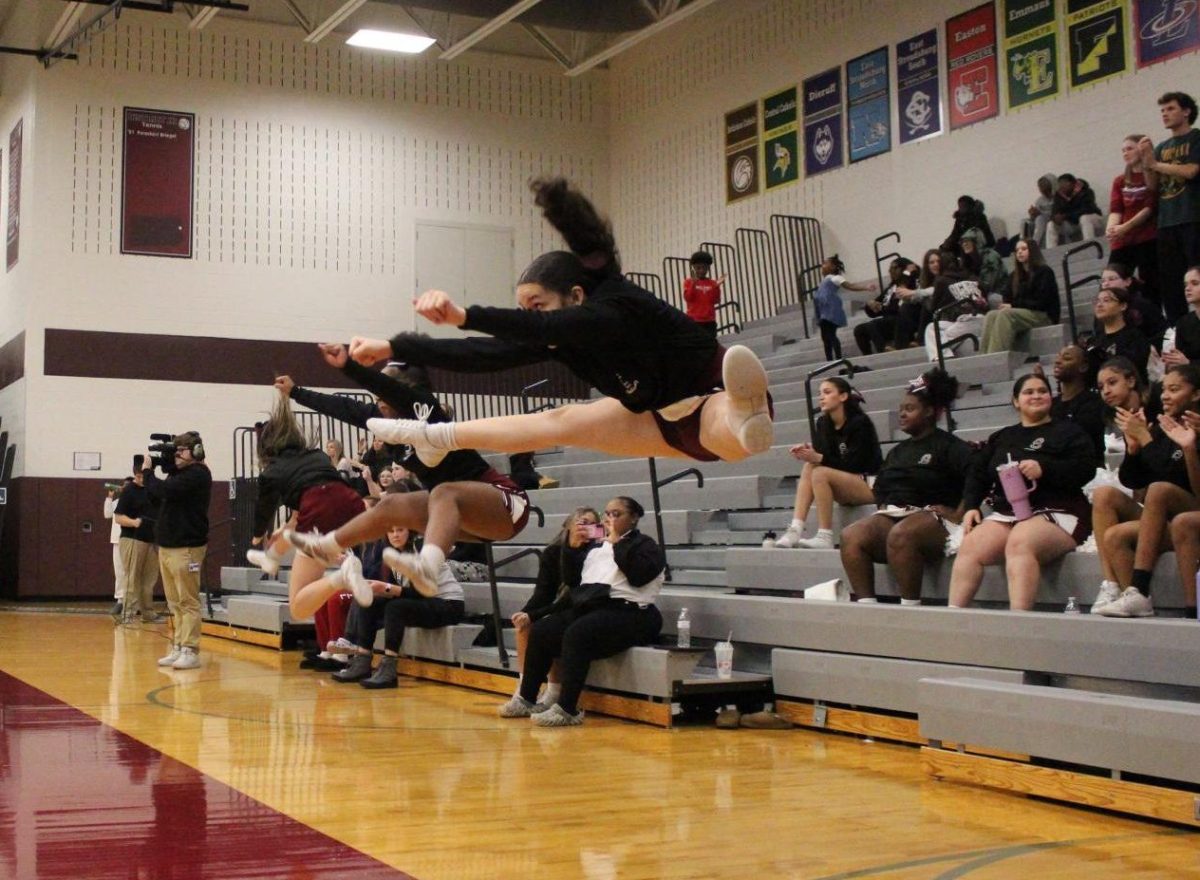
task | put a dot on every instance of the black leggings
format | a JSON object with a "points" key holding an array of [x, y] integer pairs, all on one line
{"points": [[410, 608], [578, 639], [833, 345]]}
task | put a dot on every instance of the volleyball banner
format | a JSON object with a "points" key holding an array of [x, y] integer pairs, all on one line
{"points": [[156, 183], [1097, 37], [919, 87], [1165, 29], [1030, 51], [823, 122], [741, 153], [971, 76], [781, 144], [869, 106]]}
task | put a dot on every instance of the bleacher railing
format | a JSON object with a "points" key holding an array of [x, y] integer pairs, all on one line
{"points": [[880, 259], [1070, 285], [655, 485]]}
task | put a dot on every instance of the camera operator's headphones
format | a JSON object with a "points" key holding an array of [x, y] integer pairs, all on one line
{"points": [[193, 444]]}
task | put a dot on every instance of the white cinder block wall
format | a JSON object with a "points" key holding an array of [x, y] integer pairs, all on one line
{"points": [[670, 94], [313, 165]]}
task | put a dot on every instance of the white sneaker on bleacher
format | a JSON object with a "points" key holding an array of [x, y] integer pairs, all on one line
{"points": [[1130, 603], [789, 539], [823, 540], [1109, 593]]}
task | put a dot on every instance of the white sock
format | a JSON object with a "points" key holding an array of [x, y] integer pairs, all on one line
{"points": [[797, 524], [552, 692], [441, 435], [825, 533], [329, 544], [517, 692], [434, 555], [910, 601], [868, 600], [1109, 585]]}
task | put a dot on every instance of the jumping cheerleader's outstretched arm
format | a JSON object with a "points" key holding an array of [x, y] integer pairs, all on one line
{"points": [[399, 395], [473, 355]]}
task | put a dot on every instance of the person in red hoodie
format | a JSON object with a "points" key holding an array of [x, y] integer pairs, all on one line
{"points": [[702, 293]]}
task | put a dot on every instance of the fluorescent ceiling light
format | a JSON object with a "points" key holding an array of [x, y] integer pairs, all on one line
{"points": [[390, 41]]}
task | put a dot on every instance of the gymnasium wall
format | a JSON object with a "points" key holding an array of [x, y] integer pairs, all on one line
{"points": [[670, 94]]}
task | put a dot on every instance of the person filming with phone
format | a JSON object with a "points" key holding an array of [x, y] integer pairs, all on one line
{"points": [[181, 532]]}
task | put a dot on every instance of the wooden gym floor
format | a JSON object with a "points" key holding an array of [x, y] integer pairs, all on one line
{"points": [[249, 767]]}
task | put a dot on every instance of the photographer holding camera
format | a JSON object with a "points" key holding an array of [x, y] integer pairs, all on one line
{"points": [[181, 533]]}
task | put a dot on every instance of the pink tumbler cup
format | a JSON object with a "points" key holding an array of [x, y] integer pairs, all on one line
{"points": [[1016, 490]]}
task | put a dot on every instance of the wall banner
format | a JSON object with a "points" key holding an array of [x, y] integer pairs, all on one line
{"points": [[1030, 51], [918, 87], [823, 122], [1165, 29], [741, 153], [781, 146], [971, 66], [156, 183], [14, 194], [869, 105], [1097, 37]]}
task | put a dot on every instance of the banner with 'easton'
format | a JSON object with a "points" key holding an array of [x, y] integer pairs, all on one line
{"points": [[971, 76]]}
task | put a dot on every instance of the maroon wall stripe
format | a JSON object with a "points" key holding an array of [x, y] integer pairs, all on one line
{"points": [[12, 360], [106, 355]]}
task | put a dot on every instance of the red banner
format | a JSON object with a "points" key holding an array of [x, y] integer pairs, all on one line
{"points": [[156, 183], [14, 194], [971, 66]]}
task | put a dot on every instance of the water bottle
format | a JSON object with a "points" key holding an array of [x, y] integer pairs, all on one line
{"points": [[683, 630], [1072, 606]]}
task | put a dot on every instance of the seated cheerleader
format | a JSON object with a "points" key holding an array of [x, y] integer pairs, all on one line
{"points": [[1056, 455], [845, 449], [1162, 459], [919, 492]]}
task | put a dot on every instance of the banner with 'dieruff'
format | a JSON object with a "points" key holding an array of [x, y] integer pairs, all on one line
{"points": [[971, 66], [823, 122], [741, 153], [156, 183], [1166, 29], [919, 87], [781, 146], [1030, 51], [868, 99], [1097, 38]]}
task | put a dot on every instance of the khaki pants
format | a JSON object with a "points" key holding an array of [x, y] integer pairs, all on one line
{"points": [[139, 563], [1001, 328], [180, 568]]}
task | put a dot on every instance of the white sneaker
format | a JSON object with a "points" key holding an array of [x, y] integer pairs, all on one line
{"points": [[1130, 603], [516, 707], [170, 658], [267, 563], [410, 432], [189, 658], [1109, 592], [789, 539], [345, 646], [557, 716], [410, 565], [352, 575], [310, 544], [745, 382], [823, 540]]}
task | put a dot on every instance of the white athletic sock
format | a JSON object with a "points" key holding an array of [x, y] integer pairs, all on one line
{"points": [[434, 555], [441, 435], [910, 601], [552, 692], [520, 679], [825, 533], [868, 600], [1113, 585], [797, 524]]}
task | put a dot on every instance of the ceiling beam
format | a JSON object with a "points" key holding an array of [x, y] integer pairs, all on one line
{"points": [[638, 36], [325, 28], [488, 28], [201, 17], [298, 14], [67, 22], [543, 39]]}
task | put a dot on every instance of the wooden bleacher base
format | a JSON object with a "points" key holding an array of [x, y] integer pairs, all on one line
{"points": [[239, 634], [876, 725], [645, 709], [1068, 786]]}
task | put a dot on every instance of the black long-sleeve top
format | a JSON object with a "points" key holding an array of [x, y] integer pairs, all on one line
{"points": [[918, 473], [1085, 409], [286, 478], [1038, 293], [637, 556], [1128, 342], [1187, 336], [623, 341], [561, 568], [854, 447], [182, 500], [1159, 461], [1065, 452]]}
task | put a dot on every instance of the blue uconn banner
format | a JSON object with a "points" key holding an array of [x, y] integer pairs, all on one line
{"points": [[870, 111], [823, 122], [918, 87]]}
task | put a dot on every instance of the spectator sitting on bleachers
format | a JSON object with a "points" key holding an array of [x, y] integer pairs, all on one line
{"points": [[560, 569], [1076, 400], [1187, 329], [875, 335], [610, 611], [1131, 229], [1185, 538], [1031, 300], [1041, 209], [1121, 387], [955, 286], [983, 262], [912, 313], [1075, 215], [1142, 312], [1115, 337], [362, 624], [843, 452], [970, 215], [1163, 459], [1059, 457], [918, 492], [379, 457]]}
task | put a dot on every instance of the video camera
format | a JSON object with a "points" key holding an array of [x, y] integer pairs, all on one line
{"points": [[164, 447]]}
